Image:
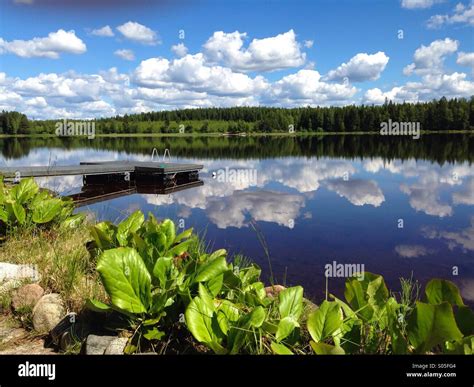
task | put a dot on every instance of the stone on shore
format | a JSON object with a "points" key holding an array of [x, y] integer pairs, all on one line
{"points": [[27, 296], [96, 345], [116, 346], [48, 312]]}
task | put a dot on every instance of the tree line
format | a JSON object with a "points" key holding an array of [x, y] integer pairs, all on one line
{"points": [[436, 115], [441, 148]]}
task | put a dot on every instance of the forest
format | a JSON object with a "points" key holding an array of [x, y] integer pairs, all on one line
{"points": [[437, 115]]}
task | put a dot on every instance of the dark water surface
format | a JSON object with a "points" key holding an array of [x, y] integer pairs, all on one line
{"points": [[312, 200]]}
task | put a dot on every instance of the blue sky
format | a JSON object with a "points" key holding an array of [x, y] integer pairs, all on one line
{"points": [[279, 53]]}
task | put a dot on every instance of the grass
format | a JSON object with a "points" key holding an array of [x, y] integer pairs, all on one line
{"points": [[62, 260], [25, 316]]}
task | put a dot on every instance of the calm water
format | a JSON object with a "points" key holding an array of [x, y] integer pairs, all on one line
{"points": [[313, 201]]}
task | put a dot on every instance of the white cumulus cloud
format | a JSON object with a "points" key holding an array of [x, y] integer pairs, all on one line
{"points": [[462, 14], [105, 31], [125, 54], [429, 59], [138, 33], [267, 54], [179, 50], [419, 4], [466, 59], [192, 73], [361, 67], [306, 87], [51, 46]]}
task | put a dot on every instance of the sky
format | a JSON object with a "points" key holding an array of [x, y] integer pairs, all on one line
{"points": [[86, 59]]}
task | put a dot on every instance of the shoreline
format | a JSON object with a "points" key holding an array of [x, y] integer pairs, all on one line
{"points": [[226, 135]]}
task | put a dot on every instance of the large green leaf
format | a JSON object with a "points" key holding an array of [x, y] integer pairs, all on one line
{"points": [[326, 349], [280, 349], [249, 275], [439, 290], [24, 191], [211, 269], [18, 211], [230, 310], [162, 268], [217, 254], [184, 235], [291, 302], [97, 306], [202, 322], [73, 221], [129, 226], [430, 325], [215, 284], [126, 279], [256, 317], [285, 327], [179, 248], [47, 210], [228, 314], [103, 234], [325, 321], [168, 228], [157, 241], [368, 296], [38, 199]]}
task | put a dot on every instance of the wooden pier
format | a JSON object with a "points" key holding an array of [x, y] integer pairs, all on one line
{"points": [[99, 171]]}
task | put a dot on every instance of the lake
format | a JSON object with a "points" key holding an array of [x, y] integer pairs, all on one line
{"points": [[400, 207]]}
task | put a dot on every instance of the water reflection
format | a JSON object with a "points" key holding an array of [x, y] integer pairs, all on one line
{"points": [[462, 239], [358, 191], [97, 193], [312, 210]]}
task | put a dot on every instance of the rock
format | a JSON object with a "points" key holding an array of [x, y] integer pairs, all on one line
{"points": [[27, 296], [96, 345], [116, 346], [10, 271], [13, 276], [48, 312], [274, 290]]}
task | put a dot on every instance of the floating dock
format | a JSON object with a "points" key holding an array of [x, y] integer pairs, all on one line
{"points": [[108, 171]]}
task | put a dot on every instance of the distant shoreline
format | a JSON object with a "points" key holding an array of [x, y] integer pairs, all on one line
{"points": [[226, 135]]}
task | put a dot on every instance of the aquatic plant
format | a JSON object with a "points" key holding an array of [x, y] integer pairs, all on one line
{"points": [[24, 205], [372, 321], [157, 281]]}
